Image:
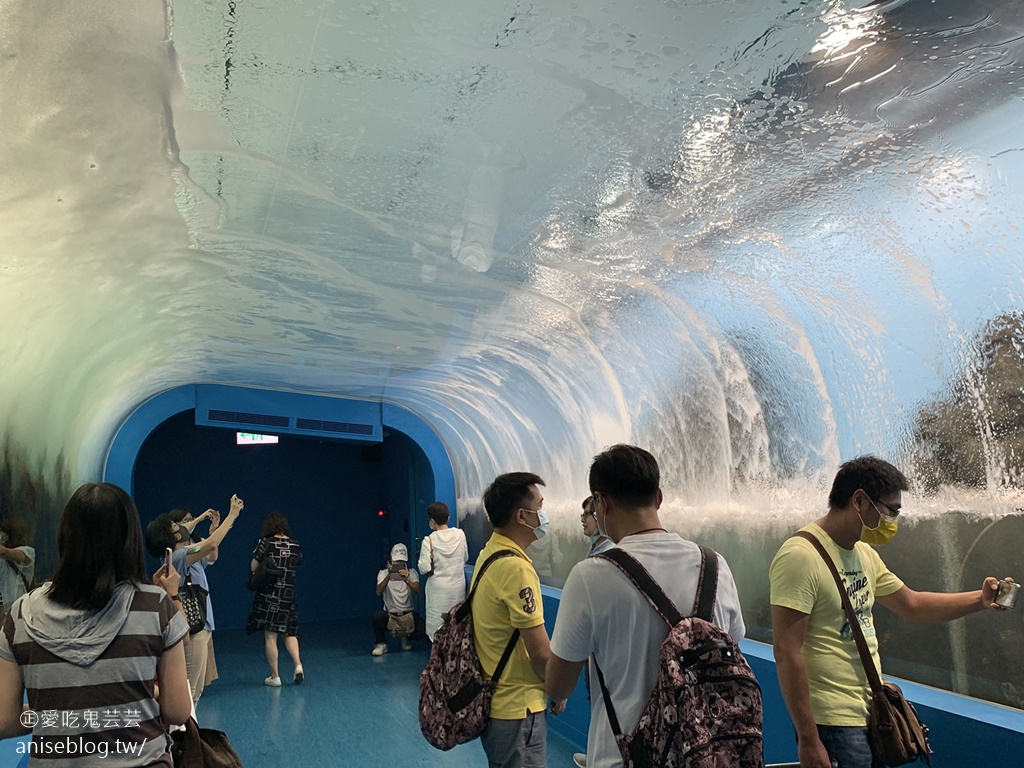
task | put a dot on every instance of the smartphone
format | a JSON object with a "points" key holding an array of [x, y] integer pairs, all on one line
{"points": [[1007, 594], [395, 568], [167, 559]]}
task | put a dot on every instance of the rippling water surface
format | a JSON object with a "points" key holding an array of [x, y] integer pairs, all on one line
{"points": [[757, 238]]}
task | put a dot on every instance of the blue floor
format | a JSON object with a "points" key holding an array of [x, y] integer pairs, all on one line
{"points": [[352, 710]]}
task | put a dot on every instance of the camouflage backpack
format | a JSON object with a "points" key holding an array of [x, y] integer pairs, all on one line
{"points": [[455, 695], [705, 709]]}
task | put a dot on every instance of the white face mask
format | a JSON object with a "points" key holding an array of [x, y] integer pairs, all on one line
{"points": [[544, 522]]}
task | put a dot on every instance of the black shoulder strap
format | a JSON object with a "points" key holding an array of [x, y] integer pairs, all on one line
{"points": [[703, 604], [21, 573], [851, 615], [642, 580], [483, 569], [707, 586], [466, 607]]}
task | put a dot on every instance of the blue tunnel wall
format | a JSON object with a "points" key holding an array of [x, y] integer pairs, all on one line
{"points": [[347, 502]]}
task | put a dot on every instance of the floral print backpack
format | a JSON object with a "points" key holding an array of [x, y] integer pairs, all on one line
{"points": [[455, 695], [705, 709]]}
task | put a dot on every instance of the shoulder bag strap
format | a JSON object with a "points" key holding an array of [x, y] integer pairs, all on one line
{"points": [[707, 585], [643, 581], [467, 607], [858, 634], [21, 573], [656, 596]]}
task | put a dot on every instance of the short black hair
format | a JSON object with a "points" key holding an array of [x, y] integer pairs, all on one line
{"points": [[875, 476], [275, 523], [438, 512], [99, 542], [506, 494], [627, 474], [160, 535]]}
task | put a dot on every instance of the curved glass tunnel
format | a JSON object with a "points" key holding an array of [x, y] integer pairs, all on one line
{"points": [[757, 239]]}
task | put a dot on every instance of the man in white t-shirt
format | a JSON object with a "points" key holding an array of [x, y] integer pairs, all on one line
{"points": [[603, 614], [397, 583]]}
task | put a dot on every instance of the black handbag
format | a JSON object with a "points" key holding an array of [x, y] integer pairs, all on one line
{"points": [[197, 747], [193, 600], [264, 576]]}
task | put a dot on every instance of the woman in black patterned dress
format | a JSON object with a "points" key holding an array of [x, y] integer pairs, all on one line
{"points": [[274, 609]]}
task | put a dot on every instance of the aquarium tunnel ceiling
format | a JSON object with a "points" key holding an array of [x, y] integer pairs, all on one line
{"points": [[755, 237]]}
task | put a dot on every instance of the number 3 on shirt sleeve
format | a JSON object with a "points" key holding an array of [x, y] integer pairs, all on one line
{"points": [[529, 604]]}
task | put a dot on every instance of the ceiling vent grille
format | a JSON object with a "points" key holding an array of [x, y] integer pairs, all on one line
{"points": [[315, 425], [252, 419]]}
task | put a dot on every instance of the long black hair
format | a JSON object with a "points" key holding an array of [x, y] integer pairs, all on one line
{"points": [[99, 542]]}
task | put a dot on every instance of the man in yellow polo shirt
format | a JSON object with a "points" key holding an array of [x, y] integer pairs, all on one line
{"points": [[820, 672], [507, 599]]}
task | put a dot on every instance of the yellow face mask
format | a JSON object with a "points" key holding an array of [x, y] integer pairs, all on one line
{"points": [[880, 534]]}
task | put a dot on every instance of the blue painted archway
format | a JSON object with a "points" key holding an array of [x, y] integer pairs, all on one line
{"points": [[278, 412]]}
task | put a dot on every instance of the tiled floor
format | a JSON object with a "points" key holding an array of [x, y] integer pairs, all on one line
{"points": [[352, 710]]}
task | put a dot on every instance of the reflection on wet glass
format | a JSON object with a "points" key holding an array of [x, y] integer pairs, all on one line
{"points": [[754, 238]]}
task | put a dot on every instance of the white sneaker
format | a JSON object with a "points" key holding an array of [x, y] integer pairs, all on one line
{"points": [[379, 649], [273, 682], [299, 676], [580, 758], [406, 645]]}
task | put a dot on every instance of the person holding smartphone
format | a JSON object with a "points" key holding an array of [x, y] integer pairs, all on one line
{"points": [[397, 583], [99, 620], [173, 530]]}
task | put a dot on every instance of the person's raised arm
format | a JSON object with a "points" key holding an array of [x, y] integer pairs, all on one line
{"points": [[414, 585], [190, 526], [213, 554], [15, 555], [197, 552], [382, 581], [169, 579], [925, 607], [788, 630]]}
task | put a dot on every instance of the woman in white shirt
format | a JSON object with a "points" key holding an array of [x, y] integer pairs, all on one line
{"points": [[443, 556]]}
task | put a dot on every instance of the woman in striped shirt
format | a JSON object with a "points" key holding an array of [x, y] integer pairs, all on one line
{"points": [[90, 646]]}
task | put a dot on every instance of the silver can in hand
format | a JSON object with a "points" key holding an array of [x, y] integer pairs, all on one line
{"points": [[1006, 596]]}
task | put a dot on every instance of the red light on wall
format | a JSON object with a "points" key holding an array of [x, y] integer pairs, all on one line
{"points": [[381, 513]]}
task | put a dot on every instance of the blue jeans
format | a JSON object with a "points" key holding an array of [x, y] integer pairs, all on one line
{"points": [[516, 743], [849, 746]]}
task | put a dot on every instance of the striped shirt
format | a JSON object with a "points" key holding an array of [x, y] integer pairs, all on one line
{"points": [[105, 709]]}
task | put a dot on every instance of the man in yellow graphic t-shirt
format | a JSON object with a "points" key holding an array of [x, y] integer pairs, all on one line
{"points": [[820, 671], [507, 599]]}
